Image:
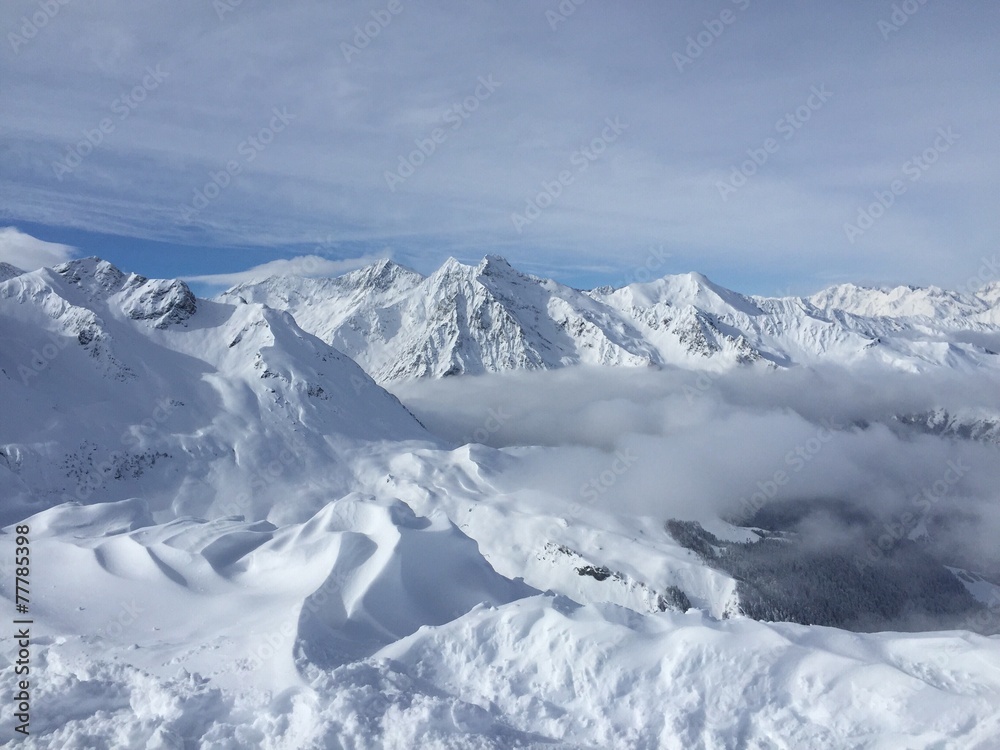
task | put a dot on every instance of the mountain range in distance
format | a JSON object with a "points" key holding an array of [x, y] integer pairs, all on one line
{"points": [[464, 319]]}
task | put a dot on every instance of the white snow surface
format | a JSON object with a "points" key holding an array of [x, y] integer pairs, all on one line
{"points": [[239, 540], [371, 626], [118, 386]]}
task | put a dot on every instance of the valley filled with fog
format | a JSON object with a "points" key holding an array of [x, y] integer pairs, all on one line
{"points": [[851, 464]]}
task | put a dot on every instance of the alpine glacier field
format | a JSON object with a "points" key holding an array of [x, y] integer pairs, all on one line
{"points": [[481, 509]]}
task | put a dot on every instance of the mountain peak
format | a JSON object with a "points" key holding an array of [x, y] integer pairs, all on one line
{"points": [[490, 266], [494, 261], [452, 264], [94, 273], [694, 289], [383, 274], [163, 302], [497, 268], [990, 293], [453, 270], [696, 278]]}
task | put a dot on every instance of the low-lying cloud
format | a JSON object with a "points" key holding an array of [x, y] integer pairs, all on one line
{"points": [[309, 266], [673, 444]]}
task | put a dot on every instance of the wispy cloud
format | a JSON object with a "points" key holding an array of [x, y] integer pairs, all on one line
{"points": [[419, 75], [304, 265], [28, 253]]}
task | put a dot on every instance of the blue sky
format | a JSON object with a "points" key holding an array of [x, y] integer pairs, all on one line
{"points": [[582, 140]]}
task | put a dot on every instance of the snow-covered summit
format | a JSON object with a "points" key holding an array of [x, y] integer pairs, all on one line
{"points": [[460, 319], [161, 302], [931, 302]]}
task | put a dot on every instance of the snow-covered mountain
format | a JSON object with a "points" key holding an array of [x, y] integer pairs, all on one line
{"points": [[931, 303], [239, 539], [116, 385], [460, 319], [990, 293], [399, 325], [969, 424]]}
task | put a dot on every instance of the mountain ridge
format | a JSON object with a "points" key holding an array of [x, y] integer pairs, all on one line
{"points": [[491, 317]]}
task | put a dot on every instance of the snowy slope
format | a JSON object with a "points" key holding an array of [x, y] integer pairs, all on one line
{"points": [[115, 385], [492, 318]]}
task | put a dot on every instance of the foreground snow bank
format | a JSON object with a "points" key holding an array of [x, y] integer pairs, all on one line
{"points": [[372, 626], [109, 706], [604, 676], [546, 672]]}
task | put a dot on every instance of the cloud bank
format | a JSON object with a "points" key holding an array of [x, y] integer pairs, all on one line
{"points": [[669, 444], [28, 253]]}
